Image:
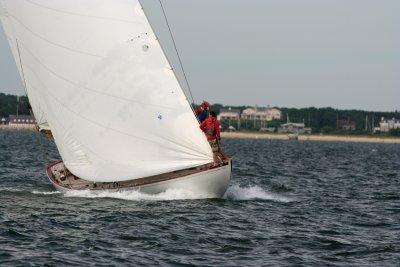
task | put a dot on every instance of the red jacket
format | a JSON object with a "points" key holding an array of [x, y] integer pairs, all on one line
{"points": [[198, 110], [211, 127]]}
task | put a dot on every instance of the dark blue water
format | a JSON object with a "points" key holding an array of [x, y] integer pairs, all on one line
{"points": [[290, 203]]}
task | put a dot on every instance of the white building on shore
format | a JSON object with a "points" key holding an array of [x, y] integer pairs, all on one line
{"points": [[231, 115], [294, 128], [18, 122], [21, 120], [261, 114], [386, 125]]}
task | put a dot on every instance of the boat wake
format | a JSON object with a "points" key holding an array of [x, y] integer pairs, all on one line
{"points": [[11, 189], [23, 190], [45, 193], [134, 195], [235, 192]]}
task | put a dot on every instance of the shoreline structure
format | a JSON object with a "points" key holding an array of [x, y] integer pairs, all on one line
{"points": [[18, 127], [325, 138]]}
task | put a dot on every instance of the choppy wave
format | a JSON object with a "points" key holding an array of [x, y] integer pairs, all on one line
{"points": [[289, 204]]}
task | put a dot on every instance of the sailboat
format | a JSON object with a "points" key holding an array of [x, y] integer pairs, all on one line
{"points": [[99, 81]]}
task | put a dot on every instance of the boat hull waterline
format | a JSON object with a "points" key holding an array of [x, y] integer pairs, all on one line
{"points": [[204, 181]]}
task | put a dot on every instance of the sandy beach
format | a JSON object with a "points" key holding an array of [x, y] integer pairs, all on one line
{"points": [[330, 138], [20, 127]]}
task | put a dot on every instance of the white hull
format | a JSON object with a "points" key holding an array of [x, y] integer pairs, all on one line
{"points": [[208, 183]]}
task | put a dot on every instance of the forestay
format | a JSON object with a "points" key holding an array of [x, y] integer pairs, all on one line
{"points": [[110, 97]]}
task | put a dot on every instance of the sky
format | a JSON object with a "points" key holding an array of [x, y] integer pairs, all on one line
{"points": [[343, 54]]}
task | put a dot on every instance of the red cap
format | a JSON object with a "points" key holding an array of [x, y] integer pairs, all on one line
{"points": [[205, 104]]}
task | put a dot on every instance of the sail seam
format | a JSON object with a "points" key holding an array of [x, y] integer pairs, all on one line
{"points": [[82, 15], [50, 42], [86, 88], [48, 92]]}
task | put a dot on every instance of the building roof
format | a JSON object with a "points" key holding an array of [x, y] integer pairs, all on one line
{"points": [[227, 110], [260, 110]]}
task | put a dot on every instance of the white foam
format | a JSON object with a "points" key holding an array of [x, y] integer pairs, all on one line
{"points": [[134, 195], [11, 189], [235, 192], [45, 193]]}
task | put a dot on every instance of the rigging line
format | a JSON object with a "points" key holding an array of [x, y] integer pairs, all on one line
{"points": [[177, 53]]}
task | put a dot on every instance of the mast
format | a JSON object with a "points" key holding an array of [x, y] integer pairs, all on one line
{"points": [[373, 125], [17, 105]]}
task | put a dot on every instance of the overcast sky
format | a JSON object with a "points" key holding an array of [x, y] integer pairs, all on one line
{"points": [[287, 53]]}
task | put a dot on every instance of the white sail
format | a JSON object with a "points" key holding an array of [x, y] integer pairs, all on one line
{"points": [[34, 99], [110, 97]]}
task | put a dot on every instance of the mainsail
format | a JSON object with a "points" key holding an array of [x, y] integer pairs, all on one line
{"points": [[96, 70]]}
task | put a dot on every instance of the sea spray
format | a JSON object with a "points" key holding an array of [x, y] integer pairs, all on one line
{"points": [[45, 193], [135, 195], [235, 192]]}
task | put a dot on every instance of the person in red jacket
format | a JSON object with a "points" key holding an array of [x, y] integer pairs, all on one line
{"points": [[202, 112], [210, 127]]}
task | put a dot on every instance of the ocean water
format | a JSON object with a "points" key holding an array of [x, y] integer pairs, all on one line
{"points": [[290, 203]]}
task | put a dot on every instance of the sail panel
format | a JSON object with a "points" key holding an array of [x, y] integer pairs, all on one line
{"points": [[114, 105], [35, 100]]}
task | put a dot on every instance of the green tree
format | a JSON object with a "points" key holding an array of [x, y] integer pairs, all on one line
{"points": [[9, 105]]}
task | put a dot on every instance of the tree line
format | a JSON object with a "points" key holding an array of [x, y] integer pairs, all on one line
{"points": [[324, 120], [320, 120], [12, 104]]}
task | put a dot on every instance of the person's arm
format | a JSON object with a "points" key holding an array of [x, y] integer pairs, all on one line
{"points": [[197, 111], [217, 131], [203, 126]]}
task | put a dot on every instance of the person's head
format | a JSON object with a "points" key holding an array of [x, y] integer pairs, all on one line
{"points": [[212, 114], [205, 105]]}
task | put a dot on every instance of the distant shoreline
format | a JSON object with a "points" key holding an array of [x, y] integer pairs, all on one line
{"points": [[328, 138], [19, 127]]}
